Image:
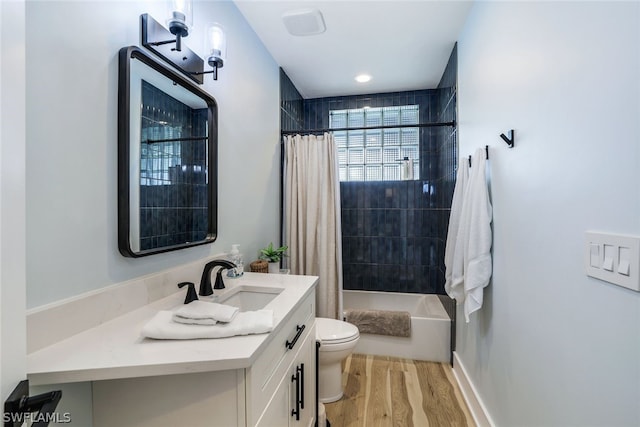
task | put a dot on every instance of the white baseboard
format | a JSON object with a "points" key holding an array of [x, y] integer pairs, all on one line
{"points": [[476, 407]]}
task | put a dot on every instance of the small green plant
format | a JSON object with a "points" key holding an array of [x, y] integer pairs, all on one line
{"points": [[272, 254]]}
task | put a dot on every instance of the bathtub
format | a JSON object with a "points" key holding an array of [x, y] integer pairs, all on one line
{"points": [[430, 325]]}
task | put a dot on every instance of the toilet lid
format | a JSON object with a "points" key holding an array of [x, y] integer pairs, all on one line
{"points": [[330, 331]]}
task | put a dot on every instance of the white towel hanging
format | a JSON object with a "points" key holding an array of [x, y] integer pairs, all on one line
{"points": [[477, 253], [454, 255]]}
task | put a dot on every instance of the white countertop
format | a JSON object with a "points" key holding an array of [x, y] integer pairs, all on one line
{"points": [[116, 349]]}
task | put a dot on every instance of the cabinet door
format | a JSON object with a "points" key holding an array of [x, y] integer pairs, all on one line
{"points": [[277, 413], [296, 392], [305, 366]]}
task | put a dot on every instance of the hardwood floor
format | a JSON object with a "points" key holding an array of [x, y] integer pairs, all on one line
{"points": [[386, 391]]}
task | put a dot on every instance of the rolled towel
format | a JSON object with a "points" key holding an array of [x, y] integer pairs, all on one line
{"points": [[162, 326], [204, 311], [380, 322]]}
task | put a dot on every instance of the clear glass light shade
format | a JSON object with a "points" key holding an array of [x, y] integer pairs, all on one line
{"points": [[180, 16], [216, 42]]}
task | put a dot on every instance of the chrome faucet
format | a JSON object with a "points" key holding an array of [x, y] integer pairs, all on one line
{"points": [[205, 281]]}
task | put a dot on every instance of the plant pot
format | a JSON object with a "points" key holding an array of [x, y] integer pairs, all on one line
{"points": [[274, 267]]}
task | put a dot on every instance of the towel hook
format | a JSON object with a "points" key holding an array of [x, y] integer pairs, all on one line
{"points": [[486, 151], [510, 140]]}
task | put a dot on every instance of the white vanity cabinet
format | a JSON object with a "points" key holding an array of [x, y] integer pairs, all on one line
{"points": [[270, 388], [294, 401], [281, 380]]}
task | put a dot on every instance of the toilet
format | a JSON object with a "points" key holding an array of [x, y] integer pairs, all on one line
{"points": [[337, 341]]}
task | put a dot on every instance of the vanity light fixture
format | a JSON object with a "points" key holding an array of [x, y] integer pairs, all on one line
{"points": [[180, 20], [217, 46], [155, 35]]}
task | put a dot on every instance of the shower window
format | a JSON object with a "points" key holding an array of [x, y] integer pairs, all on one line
{"points": [[368, 153]]}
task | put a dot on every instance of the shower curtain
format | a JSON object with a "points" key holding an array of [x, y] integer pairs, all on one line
{"points": [[312, 216]]}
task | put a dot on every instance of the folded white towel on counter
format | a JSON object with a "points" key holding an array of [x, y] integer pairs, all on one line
{"points": [[210, 312], [162, 326], [201, 322]]}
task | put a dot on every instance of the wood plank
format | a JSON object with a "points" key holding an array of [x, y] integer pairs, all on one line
{"points": [[353, 407], [386, 391], [459, 397], [438, 399], [378, 402], [414, 394], [401, 415]]}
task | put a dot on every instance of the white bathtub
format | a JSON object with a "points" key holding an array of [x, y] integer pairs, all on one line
{"points": [[430, 325]]}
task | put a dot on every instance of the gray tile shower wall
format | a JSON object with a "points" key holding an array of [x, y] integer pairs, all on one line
{"points": [[393, 231], [291, 104], [447, 141]]}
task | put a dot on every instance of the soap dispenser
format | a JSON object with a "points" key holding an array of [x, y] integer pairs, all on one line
{"points": [[236, 257]]}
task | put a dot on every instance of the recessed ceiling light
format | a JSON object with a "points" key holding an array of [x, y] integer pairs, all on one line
{"points": [[363, 78]]}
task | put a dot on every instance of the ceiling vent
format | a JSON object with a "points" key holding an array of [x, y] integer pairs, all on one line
{"points": [[304, 22]]}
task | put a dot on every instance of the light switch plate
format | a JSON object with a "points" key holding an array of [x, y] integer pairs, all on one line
{"points": [[613, 258]]}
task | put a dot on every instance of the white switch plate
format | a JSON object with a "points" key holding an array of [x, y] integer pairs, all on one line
{"points": [[613, 258]]}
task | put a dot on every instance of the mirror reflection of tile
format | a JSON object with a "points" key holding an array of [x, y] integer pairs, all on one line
{"points": [[173, 185]]}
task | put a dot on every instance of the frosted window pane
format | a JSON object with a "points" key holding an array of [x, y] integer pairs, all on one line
{"points": [[342, 170], [409, 115], [342, 156], [373, 117], [356, 155], [356, 138], [374, 138], [392, 136], [341, 139], [409, 136], [410, 152], [391, 116], [356, 118], [373, 173], [338, 119], [374, 154], [391, 155], [356, 173], [391, 172]]}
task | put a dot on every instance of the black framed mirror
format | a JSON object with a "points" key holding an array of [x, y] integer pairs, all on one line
{"points": [[167, 158]]}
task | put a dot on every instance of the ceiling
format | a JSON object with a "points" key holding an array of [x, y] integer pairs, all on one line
{"points": [[403, 45]]}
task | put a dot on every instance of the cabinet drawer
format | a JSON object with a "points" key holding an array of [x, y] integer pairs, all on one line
{"points": [[267, 371]]}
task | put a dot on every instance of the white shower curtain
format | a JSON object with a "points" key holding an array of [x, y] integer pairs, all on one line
{"points": [[312, 216]]}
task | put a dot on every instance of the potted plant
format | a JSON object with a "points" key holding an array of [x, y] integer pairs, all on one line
{"points": [[273, 256]]}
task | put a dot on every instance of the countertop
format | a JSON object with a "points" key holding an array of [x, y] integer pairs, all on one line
{"points": [[115, 349]]}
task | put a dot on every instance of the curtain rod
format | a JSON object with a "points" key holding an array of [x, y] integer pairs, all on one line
{"points": [[422, 125], [186, 138]]}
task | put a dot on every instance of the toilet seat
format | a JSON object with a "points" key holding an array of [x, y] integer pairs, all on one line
{"points": [[332, 331]]}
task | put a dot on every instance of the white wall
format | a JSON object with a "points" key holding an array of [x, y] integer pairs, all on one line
{"points": [[72, 49], [12, 196], [552, 346]]}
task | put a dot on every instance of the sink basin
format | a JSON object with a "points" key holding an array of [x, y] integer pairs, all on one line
{"points": [[249, 298]]}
